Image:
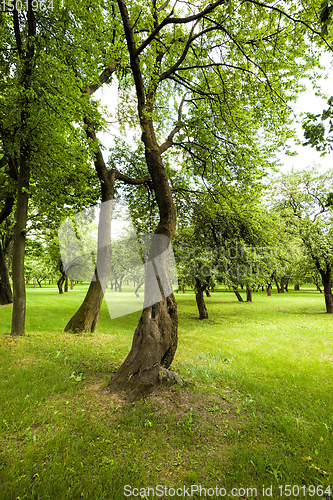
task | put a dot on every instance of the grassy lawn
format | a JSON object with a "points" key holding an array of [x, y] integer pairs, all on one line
{"points": [[257, 409]]}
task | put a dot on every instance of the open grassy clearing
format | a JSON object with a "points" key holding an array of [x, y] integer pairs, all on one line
{"points": [[257, 410]]}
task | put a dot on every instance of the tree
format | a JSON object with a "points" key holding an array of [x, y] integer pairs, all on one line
{"points": [[40, 101], [176, 56], [303, 196]]}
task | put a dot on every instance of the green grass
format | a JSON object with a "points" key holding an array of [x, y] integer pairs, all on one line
{"points": [[257, 410]]}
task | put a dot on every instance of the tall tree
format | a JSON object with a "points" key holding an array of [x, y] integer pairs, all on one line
{"points": [[200, 53]]}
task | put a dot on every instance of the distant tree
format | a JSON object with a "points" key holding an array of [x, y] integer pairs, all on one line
{"points": [[303, 197]]}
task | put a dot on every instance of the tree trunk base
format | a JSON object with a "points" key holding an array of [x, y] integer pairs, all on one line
{"points": [[86, 318], [154, 345]]}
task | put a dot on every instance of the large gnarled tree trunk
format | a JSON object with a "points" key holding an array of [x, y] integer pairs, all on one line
{"points": [[155, 338]]}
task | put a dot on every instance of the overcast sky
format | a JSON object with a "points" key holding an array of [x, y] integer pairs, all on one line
{"points": [[309, 102]]}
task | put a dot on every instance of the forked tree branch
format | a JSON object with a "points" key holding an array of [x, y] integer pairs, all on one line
{"points": [[176, 20], [169, 142]]}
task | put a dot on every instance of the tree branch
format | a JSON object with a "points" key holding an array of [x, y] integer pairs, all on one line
{"points": [[176, 20], [173, 68], [5, 212], [103, 78], [17, 32], [169, 142], [283, 13], [130, 180], [135, 65]]}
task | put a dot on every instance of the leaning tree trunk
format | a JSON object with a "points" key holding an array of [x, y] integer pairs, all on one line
{"points": [[155, 338], [277, 286], [199, 297], [238, 295], [86, 317], [6, 296], [326, 278]]}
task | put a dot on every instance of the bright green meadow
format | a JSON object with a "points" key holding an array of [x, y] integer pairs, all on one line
{"points": [[257, 409]]}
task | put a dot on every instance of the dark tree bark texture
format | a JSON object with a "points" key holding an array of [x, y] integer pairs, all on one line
{"points": [[6, 296], [248, 294]]}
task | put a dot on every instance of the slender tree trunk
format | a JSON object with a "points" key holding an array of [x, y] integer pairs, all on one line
{"points": [[183, 288], [238, 295], [248, 294], [21, 215], [66, 284], [286, 285], [296, 287], [23, 176], [207, 292], [326, 278], [277, 285], [199, 297], [86, 317], [6, 296], [282, 285], [269, 290]]}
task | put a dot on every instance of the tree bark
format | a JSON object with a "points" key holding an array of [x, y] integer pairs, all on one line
{"points": [[6, 240], [6, 296], [199, 297], [86, 317], [296, 287], [23, 176], [238, 295], [21, 215], [155, 338], [248, 294], [269, 290], [326, 278]]}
